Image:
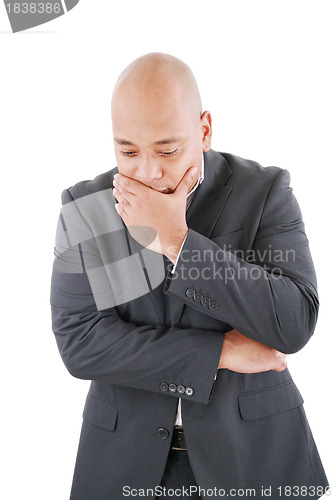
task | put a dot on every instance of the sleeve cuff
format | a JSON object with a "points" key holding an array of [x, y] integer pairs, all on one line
{"points": [[174, 266]]}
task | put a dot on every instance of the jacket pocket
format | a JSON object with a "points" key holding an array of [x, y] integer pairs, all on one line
{"points": [[270, 401], [100, 413]]}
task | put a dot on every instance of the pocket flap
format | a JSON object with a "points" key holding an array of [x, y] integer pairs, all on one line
{"points": [[100, 413], [270, 401]]}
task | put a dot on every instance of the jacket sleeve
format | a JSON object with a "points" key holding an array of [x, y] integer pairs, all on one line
{"points": [[267, 293], [99, 345]]}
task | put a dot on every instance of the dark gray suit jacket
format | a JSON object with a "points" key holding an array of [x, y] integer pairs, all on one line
{"points": [[246, 265]]}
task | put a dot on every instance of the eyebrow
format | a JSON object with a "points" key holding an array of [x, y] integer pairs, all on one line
{"points": [[168, 140], [123, 142]]}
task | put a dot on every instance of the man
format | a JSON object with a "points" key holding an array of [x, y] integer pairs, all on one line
{"points": [[182, 280]]}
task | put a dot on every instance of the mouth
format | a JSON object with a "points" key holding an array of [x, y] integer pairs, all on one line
{"points": [[165, 191]]}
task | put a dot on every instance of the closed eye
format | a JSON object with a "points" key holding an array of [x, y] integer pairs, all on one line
{"points": [[166, 154], [128, 153], [170, 153]]}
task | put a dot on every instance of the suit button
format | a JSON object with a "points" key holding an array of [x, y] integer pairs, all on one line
{"points": [[197, 296], [189, 391], [180, 389], [162, 433], [205, 301], [190, 292], [213, 306], [164, 387], [172, 387]]}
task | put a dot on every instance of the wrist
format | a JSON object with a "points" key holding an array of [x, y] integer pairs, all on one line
{"points": [[229, 338], [173, 249]]}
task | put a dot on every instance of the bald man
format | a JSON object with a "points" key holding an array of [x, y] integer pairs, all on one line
{"points": [[182, 279]]}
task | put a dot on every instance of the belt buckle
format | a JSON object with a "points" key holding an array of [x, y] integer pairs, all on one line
{"points": [[178, 436]]}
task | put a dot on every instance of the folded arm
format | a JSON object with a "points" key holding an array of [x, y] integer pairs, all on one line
{"points": [[96, 343], [269, 300]]}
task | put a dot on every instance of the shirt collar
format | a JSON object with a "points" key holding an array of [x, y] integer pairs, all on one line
{"points": [[200, 179]]}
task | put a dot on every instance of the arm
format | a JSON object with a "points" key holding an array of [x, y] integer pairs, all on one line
{"points": [[274, 303], [243, 355], [100, 345]]}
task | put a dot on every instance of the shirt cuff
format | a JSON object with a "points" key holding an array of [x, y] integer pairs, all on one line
{"points": [[174, 266]]}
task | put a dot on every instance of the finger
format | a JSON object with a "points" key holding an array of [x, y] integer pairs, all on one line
{"points": [[187, 180], [123, 191], [121, 212], [120, 198], [127, 184]]}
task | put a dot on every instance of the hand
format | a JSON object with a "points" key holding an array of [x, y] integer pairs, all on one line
{"points": [[243, 355], [142, 207]]}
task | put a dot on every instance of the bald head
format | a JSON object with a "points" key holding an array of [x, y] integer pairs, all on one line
{"points": [[158, 127], [159, 79]]}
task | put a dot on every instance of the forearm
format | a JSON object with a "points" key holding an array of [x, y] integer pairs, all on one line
{"points": [[99, 345], [243, 355], [272, 309]]}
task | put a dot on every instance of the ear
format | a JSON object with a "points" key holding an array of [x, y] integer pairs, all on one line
{"points": [[206, 130]]}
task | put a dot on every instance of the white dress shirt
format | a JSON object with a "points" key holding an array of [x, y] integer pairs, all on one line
{"points": [[190, 197]]}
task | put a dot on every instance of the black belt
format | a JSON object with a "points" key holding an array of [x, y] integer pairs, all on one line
{"points": [[178, 439]]}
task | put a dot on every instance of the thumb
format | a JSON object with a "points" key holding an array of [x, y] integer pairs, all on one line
{"points": [[187, 180]]}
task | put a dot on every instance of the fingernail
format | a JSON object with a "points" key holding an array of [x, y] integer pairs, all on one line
{"points": [[193, 171]]}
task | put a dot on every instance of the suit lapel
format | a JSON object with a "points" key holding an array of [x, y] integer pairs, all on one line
{"points": [[206, 208], [211, 196]]}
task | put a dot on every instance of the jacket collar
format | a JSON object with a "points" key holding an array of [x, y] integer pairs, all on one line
{"points": [[211, 195]]}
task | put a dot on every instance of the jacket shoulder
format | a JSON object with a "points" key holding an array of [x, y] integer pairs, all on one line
{"points": [[250, 169], [84, 188], [250, 178]]}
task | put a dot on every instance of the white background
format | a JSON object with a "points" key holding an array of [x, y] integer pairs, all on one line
{"points": [[265, 72]]}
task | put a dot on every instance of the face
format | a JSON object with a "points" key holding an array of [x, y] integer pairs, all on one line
{"points": [[156, 142]]}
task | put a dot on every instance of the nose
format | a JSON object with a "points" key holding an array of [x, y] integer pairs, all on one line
{"points": [[148, 170]]}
